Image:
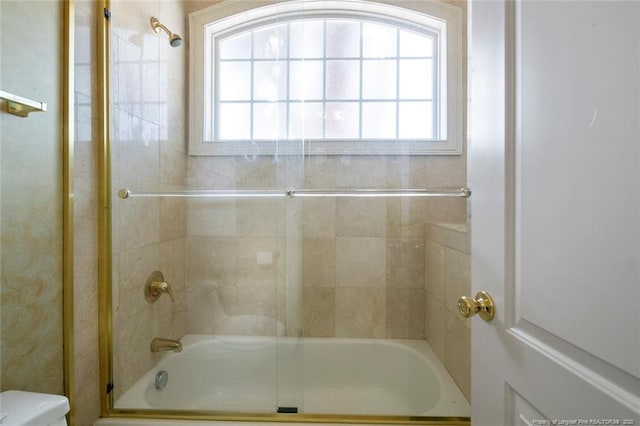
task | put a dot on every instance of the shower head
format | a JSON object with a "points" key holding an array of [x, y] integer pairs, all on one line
{"points": [[174, 39]]}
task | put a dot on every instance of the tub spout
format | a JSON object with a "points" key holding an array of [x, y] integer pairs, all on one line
{"points": [[160, 344]]}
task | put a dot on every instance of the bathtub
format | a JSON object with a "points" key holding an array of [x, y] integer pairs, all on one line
{"points": [[313, 375]]}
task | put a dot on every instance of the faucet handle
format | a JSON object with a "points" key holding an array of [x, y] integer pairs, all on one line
{"points": [[155, 286], [158, 287]]}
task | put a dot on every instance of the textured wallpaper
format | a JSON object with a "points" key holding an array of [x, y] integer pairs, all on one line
{"points": [[31, 212]]}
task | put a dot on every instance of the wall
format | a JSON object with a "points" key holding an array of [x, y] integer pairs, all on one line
{"points": [[86, 405], [362, 259], [148, 152], [31, 210], [448, 276]]}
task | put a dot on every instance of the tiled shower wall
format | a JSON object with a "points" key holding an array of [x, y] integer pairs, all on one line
{"points": [[448, 276], [148, 152], [363, 260]]}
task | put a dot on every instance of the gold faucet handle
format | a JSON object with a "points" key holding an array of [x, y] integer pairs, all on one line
{"points": [[155, 286], [159, 287]]}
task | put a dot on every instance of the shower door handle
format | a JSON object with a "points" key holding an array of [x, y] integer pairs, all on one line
{"points": [[482, 304]]}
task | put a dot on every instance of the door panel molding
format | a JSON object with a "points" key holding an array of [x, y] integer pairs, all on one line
{"points": [[518, 410], [613, 382]]}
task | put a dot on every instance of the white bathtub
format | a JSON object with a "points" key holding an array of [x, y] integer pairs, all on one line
{"points": [[316, 375]]}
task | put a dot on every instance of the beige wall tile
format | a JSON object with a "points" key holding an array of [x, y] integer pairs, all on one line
{"points": [[139, 145], [360, 262], [87, 379], [319, 262], [259, 300], [457, 355], [173, 162], [457, 278], [434, 270], [130, 20], [212, 172], [405, 217], [257, 218], [435, 325], [135, 266], [319, 172], [173, 218], [405, 313], [452, 235], [87, 368], [257, 261], [256, 172], [289, 285], [212, 217], [238, 310], [173, 320], [132, 351], [205, 310], [211, 261], [405, 263], [448, 277], [361, 171], [446, 171], [139, 222], [290, 305], [85, 220], [407, 171], [289, 171], [319, 217], [289, 220], [319, 309], [447, 210], [361, 217], [360, 312]]}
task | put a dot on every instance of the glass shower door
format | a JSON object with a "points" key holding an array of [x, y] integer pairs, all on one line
{"points": [[297, 249]]}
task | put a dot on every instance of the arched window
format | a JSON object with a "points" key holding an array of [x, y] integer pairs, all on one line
{"points": [[333, 77]]}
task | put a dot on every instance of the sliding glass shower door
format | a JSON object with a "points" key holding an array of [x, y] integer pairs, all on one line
{"points": [[269, 242]]}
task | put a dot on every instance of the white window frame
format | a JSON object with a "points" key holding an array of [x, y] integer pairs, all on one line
{"points": [[233, 14]]}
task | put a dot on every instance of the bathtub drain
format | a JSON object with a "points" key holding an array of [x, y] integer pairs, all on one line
{"points": [[162, 378]]}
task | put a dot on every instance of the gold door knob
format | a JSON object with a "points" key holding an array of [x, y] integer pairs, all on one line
{"points": [[482, 304]]}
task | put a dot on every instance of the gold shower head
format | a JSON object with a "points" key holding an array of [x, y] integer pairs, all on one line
{"points": [[174, 39]]}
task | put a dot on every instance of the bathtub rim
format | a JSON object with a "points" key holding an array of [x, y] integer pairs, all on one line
{"points": [[421, 347], [189, 418]]}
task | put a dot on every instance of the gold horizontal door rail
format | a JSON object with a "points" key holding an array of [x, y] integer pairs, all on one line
{"points": [[463, 192], [17, 105]]}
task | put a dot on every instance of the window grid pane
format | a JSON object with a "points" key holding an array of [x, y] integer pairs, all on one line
{"points": [[363, 63]]}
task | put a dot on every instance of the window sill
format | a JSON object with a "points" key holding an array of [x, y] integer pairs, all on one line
{"points": [[326, 147]]}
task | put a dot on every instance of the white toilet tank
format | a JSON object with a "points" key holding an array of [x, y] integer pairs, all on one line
{"points": [[18, 408]]}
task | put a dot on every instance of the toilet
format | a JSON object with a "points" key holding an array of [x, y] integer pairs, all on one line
{"points": [[18, 408]]}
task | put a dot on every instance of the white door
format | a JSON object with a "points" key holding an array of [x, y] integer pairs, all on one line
{"points": [[554, 166]]}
